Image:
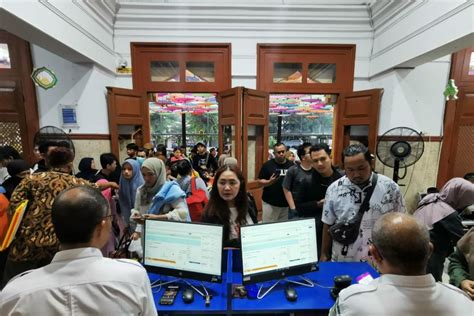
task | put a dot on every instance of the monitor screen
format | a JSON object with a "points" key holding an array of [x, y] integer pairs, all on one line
{"points": [[186, 250], [276, 250]]}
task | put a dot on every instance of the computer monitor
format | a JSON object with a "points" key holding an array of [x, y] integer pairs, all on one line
{"points": [[277, 250], [185, 250]]}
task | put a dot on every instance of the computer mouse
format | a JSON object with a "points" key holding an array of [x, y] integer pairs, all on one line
{"points": [[291, 294], [188, 295]]}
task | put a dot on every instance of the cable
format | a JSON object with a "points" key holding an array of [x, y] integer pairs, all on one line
{"points": [[404, 174], [409, 182], [322, 286]]}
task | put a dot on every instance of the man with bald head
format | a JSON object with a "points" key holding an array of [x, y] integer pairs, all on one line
{"points": [[79, 280], [400, 248]]}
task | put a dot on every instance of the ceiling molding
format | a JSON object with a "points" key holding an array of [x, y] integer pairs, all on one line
{"points": [[71, 22], [396, 16], [146, 15], [91, 11], [422, 29]]}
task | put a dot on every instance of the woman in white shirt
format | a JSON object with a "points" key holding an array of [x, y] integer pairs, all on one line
{"points": [[229, 205]]}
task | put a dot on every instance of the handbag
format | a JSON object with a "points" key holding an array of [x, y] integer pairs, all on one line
{"points": [[346, 232], [121, 251]]}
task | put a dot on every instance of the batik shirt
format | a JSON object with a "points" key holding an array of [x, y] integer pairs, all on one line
{"points": [[35, 239], [342, 202]]}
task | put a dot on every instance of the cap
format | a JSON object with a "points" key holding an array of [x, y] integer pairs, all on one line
{"points": [[201, 143]]}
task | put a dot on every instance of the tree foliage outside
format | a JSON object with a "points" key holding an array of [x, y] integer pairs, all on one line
{"points": [[166, 129]]}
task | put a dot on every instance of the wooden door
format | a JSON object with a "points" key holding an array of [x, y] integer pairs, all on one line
{"points": [[254, 134], [230, 122], [457, 153], [356, 117], [18, 108], [128, 117]]}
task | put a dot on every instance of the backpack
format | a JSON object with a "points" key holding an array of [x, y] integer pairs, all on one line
{"points": [[196, 201]]}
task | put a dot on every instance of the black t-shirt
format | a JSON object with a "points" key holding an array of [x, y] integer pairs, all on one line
{"points": [[297, 181], [318, 188], [273, 194]]}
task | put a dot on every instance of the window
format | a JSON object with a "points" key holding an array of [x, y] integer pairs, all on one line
{"points": [[4, 57]]}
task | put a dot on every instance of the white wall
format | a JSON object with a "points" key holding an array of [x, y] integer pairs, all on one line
{"points": [[81, 84], [428, 30], [414, 97]]}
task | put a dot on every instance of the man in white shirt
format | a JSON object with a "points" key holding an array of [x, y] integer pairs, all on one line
{"points": [[80, 280], [344, 199], [400, 248]]}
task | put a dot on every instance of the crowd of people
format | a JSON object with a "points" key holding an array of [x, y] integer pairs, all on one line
{"points": [[360, 216]]}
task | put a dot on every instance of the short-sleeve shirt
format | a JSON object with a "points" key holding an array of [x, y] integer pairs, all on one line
{"points": [[298, 181], [273, 194], [342, 202], [36, 239]]}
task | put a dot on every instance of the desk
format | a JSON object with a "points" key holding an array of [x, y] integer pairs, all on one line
{"points": [[217, 290], [309, 299]]}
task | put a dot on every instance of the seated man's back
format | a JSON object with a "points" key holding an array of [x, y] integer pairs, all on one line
{"points": [[80, 281], [400, 247], [404, 295]]}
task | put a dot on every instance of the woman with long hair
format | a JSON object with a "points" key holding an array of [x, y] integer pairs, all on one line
{"points": [[229, 205]]}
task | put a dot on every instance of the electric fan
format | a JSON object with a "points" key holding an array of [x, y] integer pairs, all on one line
{"points": [[52, 134], [400, 147]]}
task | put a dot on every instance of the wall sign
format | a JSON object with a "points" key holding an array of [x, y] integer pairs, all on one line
{"points": [[44, 78]]}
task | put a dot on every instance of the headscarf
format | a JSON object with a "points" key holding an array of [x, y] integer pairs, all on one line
{"points": [[466, 247], [157, 166], [456, 194], [85, 168], [128, 188], [14, 168]]}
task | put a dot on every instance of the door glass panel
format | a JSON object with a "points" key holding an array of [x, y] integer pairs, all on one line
{"points": [[322, 73], [4, 57], [255, 154], [164, 71], [128, 134], [197, 71], [287, 73], [471, 65], [359, 134], [228, 135]]}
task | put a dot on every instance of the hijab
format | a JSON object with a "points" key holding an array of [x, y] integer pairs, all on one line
{"points": [[466, 247], [455, 195], [14, 168], [157, 166], [85, 168], [128, 188]]}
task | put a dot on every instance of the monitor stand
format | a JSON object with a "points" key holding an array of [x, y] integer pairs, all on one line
{"points": [[305, 282], [205, 294]]}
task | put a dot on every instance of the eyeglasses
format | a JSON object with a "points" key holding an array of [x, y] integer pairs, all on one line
{"points": [[280, 152]]}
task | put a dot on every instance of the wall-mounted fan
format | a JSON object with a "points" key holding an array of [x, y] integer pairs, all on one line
{"points": [[54, 134], [400, 147]]}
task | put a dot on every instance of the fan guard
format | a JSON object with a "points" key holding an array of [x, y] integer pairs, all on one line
{"points": [[402, 143], [52, 133]]}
